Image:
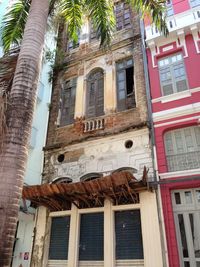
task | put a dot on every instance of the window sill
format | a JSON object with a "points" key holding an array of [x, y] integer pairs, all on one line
{"points": [[179, 173], [172, 97]]}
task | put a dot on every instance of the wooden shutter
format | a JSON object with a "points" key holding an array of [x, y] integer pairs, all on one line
{"points": [[59, 238], [123, 15], [100, 97], [125, 85], [68, 102], [95, 95], [128, 235], [91, 244], [121, 82]]}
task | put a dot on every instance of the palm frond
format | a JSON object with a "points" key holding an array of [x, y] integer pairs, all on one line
{"points": [[13, 23], [102, 15], [153, 8], [72, 12]]}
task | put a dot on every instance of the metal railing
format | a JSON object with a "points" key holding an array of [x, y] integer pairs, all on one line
{"points": [[184, 161]]}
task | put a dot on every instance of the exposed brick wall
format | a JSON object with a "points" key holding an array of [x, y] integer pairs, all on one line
{"points": [[127, 43]]}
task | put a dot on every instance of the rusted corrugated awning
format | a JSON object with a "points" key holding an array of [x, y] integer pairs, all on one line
{"points": [[120, 187]]}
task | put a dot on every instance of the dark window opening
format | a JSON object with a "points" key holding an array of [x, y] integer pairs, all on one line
{"points": [[91, 244], [59, 238], [129, 81], [128, 235]]}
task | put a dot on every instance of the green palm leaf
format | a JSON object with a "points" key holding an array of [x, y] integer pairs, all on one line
{"points": [[102, 15], [14, 23], [72, 12], [155, 9]]}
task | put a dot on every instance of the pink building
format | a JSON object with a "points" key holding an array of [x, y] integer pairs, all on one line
{"points": [[174, 74]]}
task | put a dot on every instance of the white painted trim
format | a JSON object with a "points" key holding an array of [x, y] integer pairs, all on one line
{"points": [[176, 96], [60, 213], [176, 112], [126, 207], [176, 121], [179, 173], [194, 90], [180, 21], [90, 210]]}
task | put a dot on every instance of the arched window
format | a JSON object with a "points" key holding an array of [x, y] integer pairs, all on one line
{"points": [[91, 176], [95, 94], [62, 180], [128, 169]]}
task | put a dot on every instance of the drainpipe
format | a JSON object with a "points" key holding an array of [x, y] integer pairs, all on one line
{"points": [[153, 151]]}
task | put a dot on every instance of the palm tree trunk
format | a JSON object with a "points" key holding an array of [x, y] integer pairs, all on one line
{"points": [[13, 157]]}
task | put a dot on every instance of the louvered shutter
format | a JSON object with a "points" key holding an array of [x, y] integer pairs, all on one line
{"points": [[95, 95], [91, 237], [127, 15], [128, 235], [121, 82], [59, 238], [68, 102], [100, 97]]}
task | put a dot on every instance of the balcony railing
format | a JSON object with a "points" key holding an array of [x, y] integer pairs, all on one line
{"points": [[185, 161], [93, 125]]}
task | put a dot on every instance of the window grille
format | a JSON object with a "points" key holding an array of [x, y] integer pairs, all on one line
{"points": [[183, 149]]}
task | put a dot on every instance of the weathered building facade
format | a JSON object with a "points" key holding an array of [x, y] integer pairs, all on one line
{"points": [[97, 127]]}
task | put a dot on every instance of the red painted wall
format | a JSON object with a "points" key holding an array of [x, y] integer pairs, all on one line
{"points": [[180, 6], [192, 66]]}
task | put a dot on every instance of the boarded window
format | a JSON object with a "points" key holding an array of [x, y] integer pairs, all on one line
{"points": [[123, 15], [59, 238], [128, 235], [68, 102], [91, 237], [182, 148], [95, 94], [125, 85], [172, 74]]}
